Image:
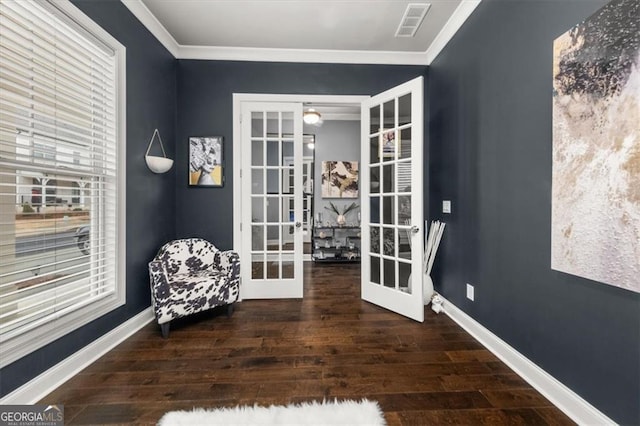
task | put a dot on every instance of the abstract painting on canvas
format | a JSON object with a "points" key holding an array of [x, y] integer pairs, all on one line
{"points": [[596, 148]]}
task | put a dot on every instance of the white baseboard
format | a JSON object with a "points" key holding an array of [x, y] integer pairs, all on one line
{"points": [[579, 410], [45, 383]]}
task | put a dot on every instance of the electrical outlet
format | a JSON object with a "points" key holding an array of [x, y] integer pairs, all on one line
{"points": [[470, 292], [446, 206]]}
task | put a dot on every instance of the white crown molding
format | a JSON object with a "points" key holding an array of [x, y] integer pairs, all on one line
{"points": [[154, 26], [222, 53], [45, 383], [457, 19], [579, 410], [302, 55]]}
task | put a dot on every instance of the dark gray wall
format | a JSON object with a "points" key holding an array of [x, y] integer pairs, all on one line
{"points": [[151, 100], [490, 124], [205, 90]]}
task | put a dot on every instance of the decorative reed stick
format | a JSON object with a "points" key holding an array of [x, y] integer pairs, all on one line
{"points": [[433, 242]]}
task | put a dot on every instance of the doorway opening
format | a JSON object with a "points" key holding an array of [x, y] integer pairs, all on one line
{"points": [[291, 196], [268, 168]]}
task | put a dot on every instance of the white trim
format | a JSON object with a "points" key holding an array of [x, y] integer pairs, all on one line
{"points": [[226, 53], [223, 53], [579, 410], [455, 22], [149, 20], [121, 212], [45, 383], [328, 99]]}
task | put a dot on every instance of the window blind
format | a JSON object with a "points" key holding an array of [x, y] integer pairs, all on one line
{"points": [[58, 167]]}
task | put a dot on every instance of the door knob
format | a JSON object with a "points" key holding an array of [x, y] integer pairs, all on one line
{"points": [[415, 229], [298, 224]]}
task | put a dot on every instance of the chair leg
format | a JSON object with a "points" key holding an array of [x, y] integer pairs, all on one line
{"points": [[165, 330], [230, 308]]}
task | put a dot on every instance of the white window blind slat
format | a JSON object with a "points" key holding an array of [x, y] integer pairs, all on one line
{"points": [[88, 132], [107, 170], [49, 296], [60, 118], [54, 37], [60, 279], [71, 140], [33, 320], [22, 268], [20, 48], [38, 52], [35, 103], [50, 90], [55, 298], [80, 37], [26, 295], [18, 57], [40, 168], [12, 301]]}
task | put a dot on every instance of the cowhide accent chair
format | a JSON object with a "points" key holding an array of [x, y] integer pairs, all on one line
{"points": [[189, 276]]}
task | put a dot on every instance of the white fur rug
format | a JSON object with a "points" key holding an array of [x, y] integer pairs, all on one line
{"points": [[326, 413]]}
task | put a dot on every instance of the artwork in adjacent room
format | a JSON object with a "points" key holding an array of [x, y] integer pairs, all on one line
{"points": [[388, 143], [596, 148], [340, 179], [205, 161]]}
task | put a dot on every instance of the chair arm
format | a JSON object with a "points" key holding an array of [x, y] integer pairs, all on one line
{"points": [[229, 263], [159, 282]]}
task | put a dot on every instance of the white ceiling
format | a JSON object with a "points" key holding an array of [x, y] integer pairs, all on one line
{"points": [[334, 31]]}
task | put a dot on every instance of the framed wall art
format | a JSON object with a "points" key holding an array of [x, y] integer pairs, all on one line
{"points": [[339, 179], [206, 156], [388, 143]]}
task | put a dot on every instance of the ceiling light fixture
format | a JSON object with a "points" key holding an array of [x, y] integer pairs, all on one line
{"points": [[311, 116]]}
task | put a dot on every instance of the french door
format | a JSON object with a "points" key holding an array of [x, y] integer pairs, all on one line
{"points": [[392, 198], [271, 200]]}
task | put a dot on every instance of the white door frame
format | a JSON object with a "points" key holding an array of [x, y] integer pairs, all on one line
{"points": [[238, 100]]}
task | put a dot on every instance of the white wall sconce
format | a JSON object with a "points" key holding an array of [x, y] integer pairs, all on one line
{"points": [[157, 164]]}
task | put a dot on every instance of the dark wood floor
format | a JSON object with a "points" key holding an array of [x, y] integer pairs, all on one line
{"points": [[328, 345]]}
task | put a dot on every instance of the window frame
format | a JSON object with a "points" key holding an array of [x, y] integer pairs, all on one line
{"points": [[32, 340]]}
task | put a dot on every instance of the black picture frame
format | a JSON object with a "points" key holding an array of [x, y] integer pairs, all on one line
{"points": [[206, 161]]}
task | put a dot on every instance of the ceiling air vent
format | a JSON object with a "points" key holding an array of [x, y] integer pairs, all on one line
{"points": [[412, 19]]}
